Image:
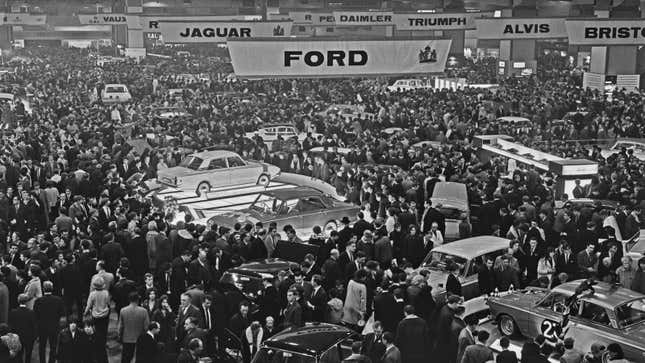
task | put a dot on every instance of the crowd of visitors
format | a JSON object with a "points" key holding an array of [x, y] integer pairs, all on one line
{"points": [[81, 243]]}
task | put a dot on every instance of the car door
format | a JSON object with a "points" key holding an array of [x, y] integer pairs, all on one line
{"points": [[217, 172], [593, 324], [547, 317], [241, 172]]}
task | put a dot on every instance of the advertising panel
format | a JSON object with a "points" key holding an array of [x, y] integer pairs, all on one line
{"points": [[23, 19], [529, 28], [152, 23], [311, 18], [343, 18], [606, 32], [440, 21], [108, 19], [218, 32], [334, 58]]}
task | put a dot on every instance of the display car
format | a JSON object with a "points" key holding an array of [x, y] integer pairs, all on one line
{"points": [[270, 133], [167, 113], [301, 207], [469, 254], [216, 168], [403, 85], [115, 93], [590, 312], [451, 199], [637, 145], [312, 343], [610, 205]]}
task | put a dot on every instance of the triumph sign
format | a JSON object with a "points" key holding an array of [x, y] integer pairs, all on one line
{"points": [[314, 58], [219, 32], [442, 21]]}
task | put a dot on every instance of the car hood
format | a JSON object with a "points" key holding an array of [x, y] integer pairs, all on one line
{"points": [[242, 217], [637, 333], [526, 298]]}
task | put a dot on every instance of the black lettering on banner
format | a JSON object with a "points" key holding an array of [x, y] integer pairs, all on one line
{"points": [[307, 17], [316, 58], [526, 28], [545, 28], [216, 32], [591, 33], [153, 24]]}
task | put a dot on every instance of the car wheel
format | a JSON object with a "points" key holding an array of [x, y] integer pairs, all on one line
{"points": [[507, 326], [203, 188], [264, 180], [330, 226]]}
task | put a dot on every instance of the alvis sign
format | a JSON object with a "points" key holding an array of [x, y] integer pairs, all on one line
{"points": [[439, 21], [606, 32], [219, 32], [336, 58], [524, 28]]}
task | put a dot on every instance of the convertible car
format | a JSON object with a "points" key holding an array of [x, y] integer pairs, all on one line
{"points": [[301, 207], [599, 313]]}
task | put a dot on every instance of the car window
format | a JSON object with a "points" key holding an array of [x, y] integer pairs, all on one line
{"points": [[192, 162], [310, 204], [219, 163], [631, 313], [115, 89], [234, 161], [594, 313], [557, 302]]}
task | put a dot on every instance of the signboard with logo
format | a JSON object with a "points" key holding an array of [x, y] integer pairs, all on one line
{"points": [[336, 58], [23, 19], [507, 28], [439, 21], [152, 23], [218, 32], [109, 19], [311, 18], [606, 32], [363, 18]]}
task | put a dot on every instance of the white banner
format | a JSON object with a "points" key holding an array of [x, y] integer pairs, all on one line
{"points": [[109, 19], [606, 32], [312, 18], [438, 21], [630, 82], [152, 23], [23, 19], [336, 58], [506, 28], [218, 32], [595, 81], [364, 17]]}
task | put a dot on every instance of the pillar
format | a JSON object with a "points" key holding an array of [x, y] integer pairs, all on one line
{"points": [[135, 44], [615, 59], [458, 37], [523, 50]]}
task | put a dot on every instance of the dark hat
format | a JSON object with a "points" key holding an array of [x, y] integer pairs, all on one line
{"points": [[345, 220]]}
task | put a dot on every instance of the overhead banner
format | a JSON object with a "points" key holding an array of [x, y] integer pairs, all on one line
{"points": [[535, 28], [311, 18], [23, 19], [218, 32], [151, 23], [439, 21], [343, 18], [306, 58], [109, 19], [606, 32]]}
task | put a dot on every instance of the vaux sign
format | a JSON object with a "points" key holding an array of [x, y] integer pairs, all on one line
{"points": [[528, 28], [606, 32], [439, 21], [108, 19]]}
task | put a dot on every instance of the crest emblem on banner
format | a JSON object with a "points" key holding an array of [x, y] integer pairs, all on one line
{"points": [[427, 55], [278, 31], [94, 20]]}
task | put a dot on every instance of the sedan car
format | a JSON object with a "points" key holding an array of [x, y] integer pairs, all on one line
{"points": [[217, 168], [312, 343], [602, 313], [469, 254], [301, 207], [270, 133]]}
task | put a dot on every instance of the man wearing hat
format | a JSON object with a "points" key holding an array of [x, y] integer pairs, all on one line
{"points": [[345, 233]]}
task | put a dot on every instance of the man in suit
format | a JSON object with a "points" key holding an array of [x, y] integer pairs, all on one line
{"points": [[199, 272], [361, 225], [384, 252], [347, 257], [392, 353], [532, 350], [345, 233], [133, 321], [293, 312], [331, 270], [208, 321], [318, 301], [466, 336], [587, 261], [241, 320], [191, 355], [506, 356], [453, 285], [565, 260], [269, 301], [571, 354], [48, 310], [69, 341], [147, 348], [178, 277], [22, 321], [479, 352], [431, 215], [373, 346], [186, 310], [388, 309], [486, 277], [192, 331], [413, 337]]}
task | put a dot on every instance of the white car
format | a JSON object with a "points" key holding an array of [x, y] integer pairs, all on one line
{"points": [[217, 168], [115, 93], [403, 85], [166, 113], [270, 133], [637, 145]]}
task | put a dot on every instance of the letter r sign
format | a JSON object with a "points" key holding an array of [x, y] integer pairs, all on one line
{"points": [[153, 24]]}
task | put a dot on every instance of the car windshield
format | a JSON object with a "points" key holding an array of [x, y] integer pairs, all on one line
{"points": [[631, 313], [440, 261], [267, 355], [192, 162], [249, 286], [115, 89]]}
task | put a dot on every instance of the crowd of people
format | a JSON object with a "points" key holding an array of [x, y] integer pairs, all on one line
{"points": [[81, 242]]}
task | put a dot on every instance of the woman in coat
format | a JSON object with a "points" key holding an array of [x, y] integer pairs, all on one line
{"points": [[356, 300]]}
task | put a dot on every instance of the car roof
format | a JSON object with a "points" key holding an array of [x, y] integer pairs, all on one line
{"points": [[214, 154], [605, 295], [268, 265], [313, 339], [470, 248], [450, 191], [513, 119], [292, 193], [115, 84]]}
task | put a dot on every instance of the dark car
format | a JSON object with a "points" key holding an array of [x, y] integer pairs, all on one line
{"points": [[313, 343]]}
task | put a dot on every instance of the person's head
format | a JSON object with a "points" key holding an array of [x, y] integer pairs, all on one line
{"points": [[408, 310], [459, 312], [292, 295], [195, 346], [208, 301], [298, 277], [550, 252], [482, 336], [356, 347], [164, 302], [489, 262], [540, 340], [626, 262], [269, 322], [569, 342], [244, 308], [190, 323], [316, 280], [100, 265], [388, 338], [149, 279], [615, 351], [154, 328], [152, 295], [48, 287], [351, 247], [471, 322], [378, 328], [533, 243], [34, 271], [23, 299], [184, 300], [453, 301], [504, 342], [133, 297], [590, 248]]}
